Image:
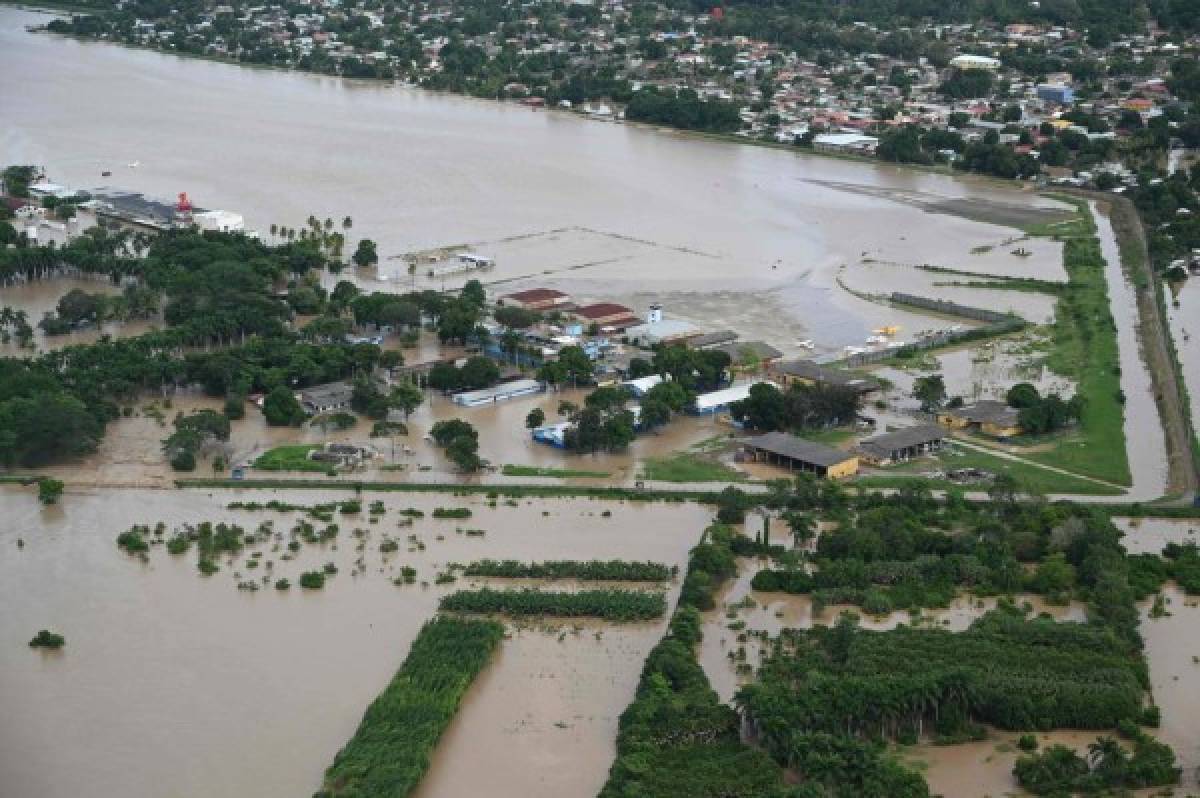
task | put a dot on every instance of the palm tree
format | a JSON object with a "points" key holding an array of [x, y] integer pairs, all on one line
{"points": [[328, 223], [274, 229], [347, 223], [803, 527]]}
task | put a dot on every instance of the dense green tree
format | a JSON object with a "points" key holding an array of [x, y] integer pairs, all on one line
{"points": [[365, 254], [282, 409]]}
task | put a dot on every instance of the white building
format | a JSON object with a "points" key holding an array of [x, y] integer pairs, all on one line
{"points": [[499, 393], [219, 221], [719, 401], [975, 62], [845, 142]]}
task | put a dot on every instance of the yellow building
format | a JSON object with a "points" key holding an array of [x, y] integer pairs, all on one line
{"points": [[988, 416], [796, 454]]}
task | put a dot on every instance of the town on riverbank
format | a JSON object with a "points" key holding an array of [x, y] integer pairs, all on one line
{"points": [[596, 504]]}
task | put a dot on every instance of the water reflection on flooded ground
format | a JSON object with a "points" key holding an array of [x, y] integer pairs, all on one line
{"points": [[1151, 535], [542, 721], [131, 452], [162, 663], [1147, 447], [1173, 651], [40, 297], [1182, 302], [879, 279], [643, 212], [767, 614], [984, 371]]}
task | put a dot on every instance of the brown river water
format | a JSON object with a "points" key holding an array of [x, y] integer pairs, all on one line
{"points": [[176, 685], [609, 210], [173, 684]]}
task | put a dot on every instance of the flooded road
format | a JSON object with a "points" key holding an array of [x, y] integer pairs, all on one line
{"points": [[173, 684], [645, 211], [1145, 442]]}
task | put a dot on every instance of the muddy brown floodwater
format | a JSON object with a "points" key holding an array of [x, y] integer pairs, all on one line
{"points": [[130, 455], [983, 769], [173, 684], [602, 210], [1146, 444]]}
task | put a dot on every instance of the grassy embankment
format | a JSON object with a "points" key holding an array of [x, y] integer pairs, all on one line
{"points": [[19, 479], [1029, 476], [1084, 347], [292, 457], [390, 751], [510, 470], [688, 467]]}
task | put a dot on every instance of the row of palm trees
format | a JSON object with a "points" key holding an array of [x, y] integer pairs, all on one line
{"points": [[320, 232]]}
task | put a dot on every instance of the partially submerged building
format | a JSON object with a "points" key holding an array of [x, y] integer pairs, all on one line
{"points": [[747, 357], [901, 445], [712, 340], [607, 316], [719, 401], [797, 454], [657, 329], [499, 393], [326, 398], [987, 416], [540, 299], [342, 455], [640, 386], [806, 372]]}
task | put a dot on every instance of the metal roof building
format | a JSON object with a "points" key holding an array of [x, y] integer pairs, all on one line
{"points": [[717, 401], [796, 454], [499, 393], [903, 444]]}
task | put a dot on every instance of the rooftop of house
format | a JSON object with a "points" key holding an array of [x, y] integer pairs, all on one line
{"points": [[536, 295], [986, 411], [749, 352], [713, 339], [330, 390], [808, 370], [889, 442], [602, 310], [787, 445]]}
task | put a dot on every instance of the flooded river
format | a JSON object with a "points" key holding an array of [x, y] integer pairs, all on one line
{"points": [[1146, 446], [639, 212], [173, 684]]}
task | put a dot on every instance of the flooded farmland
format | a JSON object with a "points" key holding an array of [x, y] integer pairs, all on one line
{"points": [[726, 652], [162, 663]]}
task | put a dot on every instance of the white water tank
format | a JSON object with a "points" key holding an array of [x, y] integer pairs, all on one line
{"points": [[655, 315]]}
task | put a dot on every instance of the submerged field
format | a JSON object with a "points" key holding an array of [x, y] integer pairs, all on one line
{"points": [[121, 709]]}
